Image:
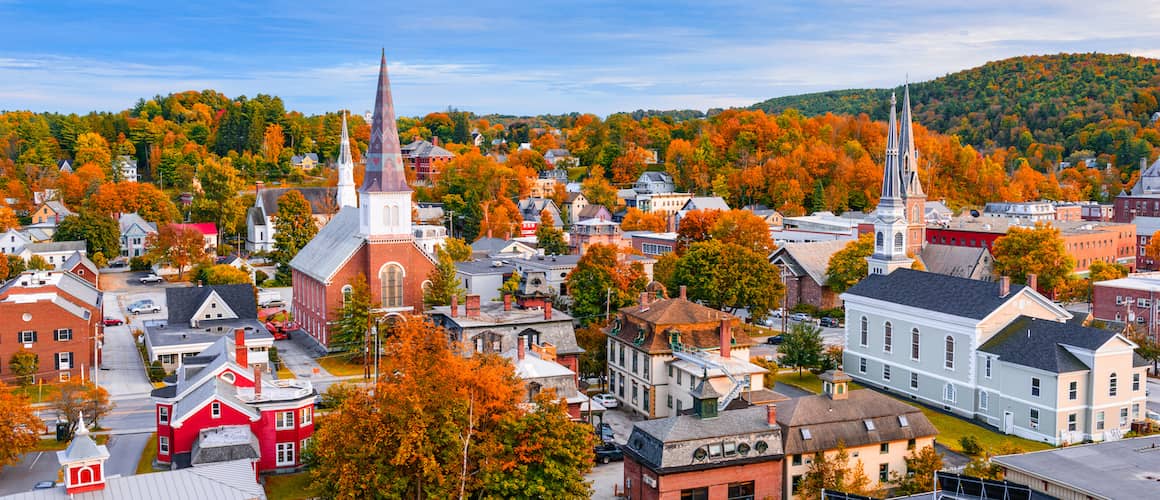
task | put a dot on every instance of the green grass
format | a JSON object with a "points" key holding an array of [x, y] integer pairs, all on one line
{"points": [[951, 429], [288, 486], [37, 393], [340, 367], [806, 381], [51, 444], [145, 463]]}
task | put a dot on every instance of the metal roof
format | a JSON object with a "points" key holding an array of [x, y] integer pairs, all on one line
{"points": [[334, 244]]}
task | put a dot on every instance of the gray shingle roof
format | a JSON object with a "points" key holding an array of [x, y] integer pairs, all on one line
{"points": [[706, 203], [830, 421], [221, 481], [79, 258], [1038, 343], [811, 258], [1112, 469], [321, 199], [56, 246], [670, 444], [184, 302], [934, 292], [952, 260], [127, 221], [334, 244]]}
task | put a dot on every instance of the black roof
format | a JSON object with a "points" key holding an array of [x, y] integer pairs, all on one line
{"points": [[1038, 343], [934, 292], [184, 302], [166, 392]]}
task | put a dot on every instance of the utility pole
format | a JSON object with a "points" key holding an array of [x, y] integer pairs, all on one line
{"points": [[451, 224], [784, 301], [96, 356], [608, 304]]}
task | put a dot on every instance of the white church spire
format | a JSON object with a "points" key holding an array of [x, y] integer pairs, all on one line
{"points": [[345, 195]]}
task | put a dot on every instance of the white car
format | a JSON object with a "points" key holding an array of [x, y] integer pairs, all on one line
{"points": [[606, 400], [151, 278], [144, 306]]}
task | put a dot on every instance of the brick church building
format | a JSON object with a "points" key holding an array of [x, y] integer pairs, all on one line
{"points": [[375, 238]]}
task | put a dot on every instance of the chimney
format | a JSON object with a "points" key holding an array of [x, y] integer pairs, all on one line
{"points": [[257, 381], [547, 310], [771, 415], [726, 338], [1032, 281], [241, 352], [454, 306], [489, 233], [683, 295], [473, 306], [643, 301], [1004, 286], [507, 301], [521, 347], [257, 187]]}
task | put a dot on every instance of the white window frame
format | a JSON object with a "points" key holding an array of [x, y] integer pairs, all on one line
{"points": [[215, 410], [1072, 390], [1072, 422], [914, 380], [163, 415], [64, 361], [1124, 416], [949, 355], [1033, 418], [27, 337], [949, 393], [284, 454], [1036, 387], [984, 400], [1135, 382], [280, 420], [63, 334], [1113, 385], [861, 365], [163, 445], [864, 333], [987, 366], [915, 345], [888, 337], [885, 372], [306, 416]]}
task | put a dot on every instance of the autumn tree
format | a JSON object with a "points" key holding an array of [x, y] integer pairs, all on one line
{"points": [[141, 198], [636, 220], [24, 364], [273, 140], [744, 228], [444, 283], [92, 149], [81, 397], [473, 440], [834, 473], [591, 338], [219, 202], [597, 190], [550, 239], [1080, 289], [848, 266], [177, 246], [8, 218], [801, 346], [919, 474], [354, 318], [16, 265], [1152, 251], [99, 231], [604, 280], [730, 277], [696, 225], [1038, 251], [221, 274], [19, 426], [459, 250], [37, 263], [294, 227], [511, 285], [4, 270]]}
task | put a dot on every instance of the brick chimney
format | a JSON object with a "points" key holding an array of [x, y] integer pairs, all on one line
{"points": [[726, 338], [507, 301], [472, 306], [1032, 281], [258, 187], [547, 310], [683, 294], [1004, 285], [257, 381], [241, 352], [455, 306], [521, 347], [771, 415], [643, 301]]}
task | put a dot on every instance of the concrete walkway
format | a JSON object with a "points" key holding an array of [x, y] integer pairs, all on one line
{"points": [[296, 357], [121, 373]]}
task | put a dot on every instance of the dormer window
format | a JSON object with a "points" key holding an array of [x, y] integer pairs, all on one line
{"points": [[806, 434], [902, 421], [869, 424]]}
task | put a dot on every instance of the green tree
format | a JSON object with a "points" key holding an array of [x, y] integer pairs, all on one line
{"points": [[221, 274], [16, 265], [354, 319], [294, 227], [444, 284], [551, 239], [24, 364], [848, 266], [1038, 251], [602, 280], [834, 473], [220, 183], [99, 231], [460, 251], [801, 346], [591, 338], [37, 263], [728, 276], [512, 285], [919, 475]]}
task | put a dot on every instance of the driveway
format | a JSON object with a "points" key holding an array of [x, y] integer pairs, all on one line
{"points": [[606, 479], [122, 373]]}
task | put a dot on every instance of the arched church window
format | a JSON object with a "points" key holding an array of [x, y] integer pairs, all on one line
{"points": [[391, 278], [898, 242], [878, 240]]}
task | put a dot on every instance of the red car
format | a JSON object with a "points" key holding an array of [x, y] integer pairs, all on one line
{"points": [[113, 321]]}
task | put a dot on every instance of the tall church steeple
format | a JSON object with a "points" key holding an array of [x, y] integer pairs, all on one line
{"points": [[914, 199], [385, 197], [345, 195], [890, 225]]}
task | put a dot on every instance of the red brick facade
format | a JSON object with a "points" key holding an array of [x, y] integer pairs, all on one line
{"points": [[1110, 243], [62, 340], [804, 290], [638, 480]]}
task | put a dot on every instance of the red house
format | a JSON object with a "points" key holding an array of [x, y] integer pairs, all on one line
{"points": [[221, 409]]}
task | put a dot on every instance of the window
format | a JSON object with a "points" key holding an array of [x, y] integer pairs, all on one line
{"points": [[1124, 416], [635, 392], [950, 353], [794, 484], [215, 409], [984, 400], [878, 240], [64, 360], [914, 381], [741, 491], [987, 366], [285, 454], [1112, 385], [646, 398], [1142, 302], [695, 494], [910, 444], [634, 361], [1072, 390], [797, 459], [1135, 382], [914, 344], [306, 416], [646, 365], [1071, 422], [883, 473], [62, 334], [680, 377], [621, 354], [949, 393], [864, 334], [888, 337], [886, 372], [669, 400], [392, 285], [163, 415], [347, 291], [903, 422], [1034, 420], [163, 445], [1136, 410], [620, 388], [862, 365], [884, 448], [1035, 386], [898, 244], [26, 337], [1099, 420], [284, 420]]}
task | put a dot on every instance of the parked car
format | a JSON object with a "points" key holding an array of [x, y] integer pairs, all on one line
{"points": [[270, 298], [608, 452], [799, 317], [48, 485], [606, 400], [605, 433], [774, 340], [144, 306], [831, 322], [113, 321], [1151, 415], [151, 278]]}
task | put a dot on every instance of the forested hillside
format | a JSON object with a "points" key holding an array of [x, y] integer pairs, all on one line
{"points": [[1049, 108]]}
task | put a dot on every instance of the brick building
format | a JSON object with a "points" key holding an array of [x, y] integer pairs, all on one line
{"points": [[57, 316], [1129, 300], [1085, 241], [803, 268], [426, 158], [374, 239]]}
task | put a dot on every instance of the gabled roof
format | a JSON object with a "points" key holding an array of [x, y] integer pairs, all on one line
{"points": [[954, 260], [830, 421], [934, 292], [58, 207], [321, 199], [334, 244], [79, 258], [706, 203], [423, 149], [697, 326], [184, 302], [296, 159], [809, 258], [1041, 344], [128, 221], [56, 246], [655, 177]]}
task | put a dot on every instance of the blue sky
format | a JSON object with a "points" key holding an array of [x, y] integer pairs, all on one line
{"points": [[527, 57]]}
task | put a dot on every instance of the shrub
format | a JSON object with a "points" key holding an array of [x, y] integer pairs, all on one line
{"points": [[260, 277], [156, 371], [140, 264], [971, 446], [836, 312], [273, 354]]}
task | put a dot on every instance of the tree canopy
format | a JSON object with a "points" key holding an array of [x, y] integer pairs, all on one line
{"points": [[1038, 251], [848, 266], [99, 231], [19, 426], [293, 228], [729, 276], [604, 280], [801, 346]]}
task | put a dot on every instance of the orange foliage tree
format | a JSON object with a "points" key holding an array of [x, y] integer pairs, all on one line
{"points": [[636, 220], [178, 246], [743, 228], [19, 427], [696, 225], [125, 197]]}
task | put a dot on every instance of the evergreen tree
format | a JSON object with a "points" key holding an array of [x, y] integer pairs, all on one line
{"points": [[801, 346], [294, 227], [550, 238], [443, 282], [354, 319]]}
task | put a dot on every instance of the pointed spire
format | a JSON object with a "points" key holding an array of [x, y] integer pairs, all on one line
{"points": [[345, 195], [909, 158], [891, 181], [81, 429], [344, 150], [384, 159]]}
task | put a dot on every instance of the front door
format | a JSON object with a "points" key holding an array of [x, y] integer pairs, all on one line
{"points": [[1008, 422]]}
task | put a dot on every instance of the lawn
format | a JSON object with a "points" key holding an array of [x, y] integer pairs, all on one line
{"points": [[37, 393], [145, 463], [340, 367], [51, 444], [284, 373], [806, 381], [288, 486]]}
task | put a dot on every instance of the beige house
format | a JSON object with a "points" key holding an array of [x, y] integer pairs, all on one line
{"points": [[877, 430]]}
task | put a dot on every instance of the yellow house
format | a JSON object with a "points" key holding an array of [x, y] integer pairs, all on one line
{"points": [[51, 213]]}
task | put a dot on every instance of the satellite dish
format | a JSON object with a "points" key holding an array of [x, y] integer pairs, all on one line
{"points": [[974, 213]]}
